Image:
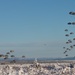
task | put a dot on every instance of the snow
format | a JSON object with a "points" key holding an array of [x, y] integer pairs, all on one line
{"points": [[37, 69]]}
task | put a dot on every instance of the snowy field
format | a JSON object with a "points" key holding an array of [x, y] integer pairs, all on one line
{"points": [[38, 69]]}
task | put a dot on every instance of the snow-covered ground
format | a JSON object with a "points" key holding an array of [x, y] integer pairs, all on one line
{"points": [[37, 69]]}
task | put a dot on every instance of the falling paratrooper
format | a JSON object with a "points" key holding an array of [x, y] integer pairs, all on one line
{"points": [[69, 41], [11, 50], [73, 38], [67, 35], [69, 23], [66, 29], [71, 33]]}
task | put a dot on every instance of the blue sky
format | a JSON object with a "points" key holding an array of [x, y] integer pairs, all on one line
{"points": [[35, 28]]}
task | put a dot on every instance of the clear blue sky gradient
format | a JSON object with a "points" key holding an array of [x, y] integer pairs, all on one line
{"points": [[35, 28]]}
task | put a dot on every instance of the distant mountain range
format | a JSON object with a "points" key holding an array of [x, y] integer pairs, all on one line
{"points": [[39, 59], [68, 58]]}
